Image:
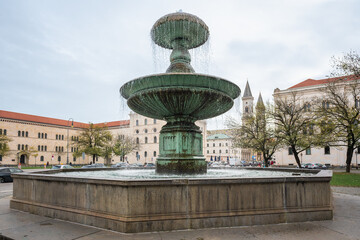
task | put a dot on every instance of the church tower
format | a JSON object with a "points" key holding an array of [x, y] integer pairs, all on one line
{"points": [[247, 101]]}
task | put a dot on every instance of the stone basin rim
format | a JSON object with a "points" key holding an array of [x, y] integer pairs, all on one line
{"points": [[126, 89]]}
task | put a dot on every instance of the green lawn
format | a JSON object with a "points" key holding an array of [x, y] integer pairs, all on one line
{"points": [[345, 179]]}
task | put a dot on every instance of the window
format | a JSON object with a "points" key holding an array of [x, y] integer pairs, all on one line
{"points": [[145, 121], [227, 151], [290, 151], [26, 134], [307, 107], [154, 121], [56, 149], [226, 144], [219, 144], [23, 134], [38, 147], [41, 158], [62, 137], [0, 158], [18, 146], [38, 135], [137, 122], [146, 140], [59, 158], [45, 135], [207, 151], [154, 129], [1, 132], [145, 154], [308, 151], [207, 145], [74, 159], [137, 141], [213, 144], [154, 153], [42, 135], [145, 130], [246, 109], [213, 151], [325, 104], [327, 150], [22, 147], [42, 148], [155, 139], [137, 131], [62, 149], [56, 137], [220, 151], [19, 134], [45, 148], [5, 132]]}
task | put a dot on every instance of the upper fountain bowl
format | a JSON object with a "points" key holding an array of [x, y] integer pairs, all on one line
{"points": [[187, 27]]}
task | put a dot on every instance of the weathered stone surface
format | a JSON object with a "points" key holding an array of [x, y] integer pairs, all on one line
{"points": [[162, 205]]}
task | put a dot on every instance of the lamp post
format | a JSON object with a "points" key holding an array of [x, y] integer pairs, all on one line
{"points": [[301, 158], [67, 139]]}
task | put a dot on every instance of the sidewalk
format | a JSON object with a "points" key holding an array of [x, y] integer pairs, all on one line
{"points": [[345, 226]]}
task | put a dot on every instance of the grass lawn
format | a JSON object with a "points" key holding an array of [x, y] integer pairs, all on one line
{"points": [[345, 179]]}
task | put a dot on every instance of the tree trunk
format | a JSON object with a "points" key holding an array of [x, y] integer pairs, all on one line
{"points": [[296, 155], [266, 160], [349, 154], [94, 156]]}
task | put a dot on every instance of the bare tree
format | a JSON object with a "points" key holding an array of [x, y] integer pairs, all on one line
{"points": [[124, 145], [294, 124], [256, 132]]}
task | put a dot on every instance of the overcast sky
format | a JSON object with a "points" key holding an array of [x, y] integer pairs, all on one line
{"points": [[68, 59]]}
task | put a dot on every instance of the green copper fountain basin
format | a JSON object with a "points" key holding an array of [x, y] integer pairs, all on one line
{"points": [[198, 96]]}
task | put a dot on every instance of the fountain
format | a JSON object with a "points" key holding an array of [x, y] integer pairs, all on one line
{"points": [[180, 96], [180, 195]]}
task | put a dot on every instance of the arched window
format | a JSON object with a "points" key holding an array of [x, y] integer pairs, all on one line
{"points": [[146, 131], [74, 159], [219, 144], [56, 137], [213, 144], [23, 134], [155, 139], [42, 148], [42, 135], [18, 146], [145, 154], [137, 141], [154, 121], [137, 156], [45, 148], [56, 149], [45, 135], [22, 147], [146, 140], [154, 153], [62, 137], [246, 109], [38, 147], [327, 150], [4, 131], [154, 129], [41, 158], [26, 134], [220, 151], [26, 147], [62, 149], [137, 122], [145, 121], [38, 135], [19, 134], [137, 131], [59, 158]]}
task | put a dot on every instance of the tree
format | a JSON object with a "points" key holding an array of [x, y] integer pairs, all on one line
{"points": [[340, 105], [4, 145], [256, 132], [124, 145], [294, 124], [92, 141]]}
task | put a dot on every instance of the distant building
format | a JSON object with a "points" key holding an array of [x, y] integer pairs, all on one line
{"points": [[219, 147], [306, 91], [37, 140]]}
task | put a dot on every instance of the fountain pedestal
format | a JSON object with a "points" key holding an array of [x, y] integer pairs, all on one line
{"points": [[181, 148]]}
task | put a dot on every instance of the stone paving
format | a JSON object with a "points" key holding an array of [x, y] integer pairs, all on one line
{"points": [[345, 226]]}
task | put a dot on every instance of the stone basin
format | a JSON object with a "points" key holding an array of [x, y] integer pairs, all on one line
{"points": [[147, 205]]}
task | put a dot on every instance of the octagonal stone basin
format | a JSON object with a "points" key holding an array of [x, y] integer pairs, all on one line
{"points": [[145, 205], [198, 96]]}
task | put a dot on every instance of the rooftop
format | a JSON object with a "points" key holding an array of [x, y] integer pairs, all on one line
{"points": [[218, 136], [55, 121], [313, 82]]}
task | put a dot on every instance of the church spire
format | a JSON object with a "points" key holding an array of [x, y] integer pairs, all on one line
{"points": [[247, 92], [260, 101]]}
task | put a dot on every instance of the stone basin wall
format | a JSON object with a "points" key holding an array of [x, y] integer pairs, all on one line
{"points": [[172, 204]]}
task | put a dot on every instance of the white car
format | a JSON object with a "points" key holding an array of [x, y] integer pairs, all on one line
{"points": [[61, 167]]}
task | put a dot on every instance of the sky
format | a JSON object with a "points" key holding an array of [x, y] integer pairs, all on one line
{"points": [[68, 59]]}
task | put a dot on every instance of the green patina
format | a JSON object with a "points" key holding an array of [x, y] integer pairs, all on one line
{"points": [[180, 96]]}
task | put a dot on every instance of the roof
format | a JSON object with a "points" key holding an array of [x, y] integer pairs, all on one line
{"points": [[260, 100], [247, 92], [218, 136], [313, 82], [55, 121]]}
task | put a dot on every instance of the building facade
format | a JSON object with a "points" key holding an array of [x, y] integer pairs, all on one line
{"points": [[307, 91], [219, 147], [37, 140]]}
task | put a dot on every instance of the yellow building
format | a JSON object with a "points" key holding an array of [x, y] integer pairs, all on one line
{"points": [[40, 140]]}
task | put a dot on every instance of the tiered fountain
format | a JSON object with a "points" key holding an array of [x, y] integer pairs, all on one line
{"points": [[180, 96], [106, 198]]}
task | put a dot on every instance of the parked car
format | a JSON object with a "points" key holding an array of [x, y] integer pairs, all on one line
{"points": [[306, 165], [5, 173], [149, 165], [96, 165], [317, 166], [61, 167], [120, 165]]}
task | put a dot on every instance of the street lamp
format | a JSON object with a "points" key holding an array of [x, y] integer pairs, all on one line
{"points": [[67, 139]]}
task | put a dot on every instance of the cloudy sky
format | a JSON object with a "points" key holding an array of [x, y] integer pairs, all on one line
{"points": [[68, 59]]}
